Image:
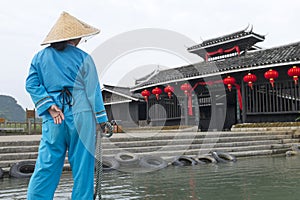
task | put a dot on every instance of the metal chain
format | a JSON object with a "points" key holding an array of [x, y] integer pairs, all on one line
{"points": [[98, 166], [109, 131]]}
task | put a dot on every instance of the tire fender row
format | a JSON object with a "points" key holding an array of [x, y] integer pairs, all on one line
{"points": [[24, 169]]}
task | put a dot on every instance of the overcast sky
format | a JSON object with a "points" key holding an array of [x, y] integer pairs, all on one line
{"points": [[24, 25]]}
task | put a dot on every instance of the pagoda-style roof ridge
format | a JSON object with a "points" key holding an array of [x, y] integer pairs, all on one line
{"points": [[288, 54], [147, 76], [227, 37], [115, 87], [121, 91]]}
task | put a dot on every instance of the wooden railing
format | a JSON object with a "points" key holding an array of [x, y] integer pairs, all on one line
{"points": [[29, 127]]}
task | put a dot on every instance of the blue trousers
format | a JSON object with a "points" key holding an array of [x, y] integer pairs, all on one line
{"points": [[77, 135]]}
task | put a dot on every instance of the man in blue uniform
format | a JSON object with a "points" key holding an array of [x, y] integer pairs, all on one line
{"points": [[64, 86]]}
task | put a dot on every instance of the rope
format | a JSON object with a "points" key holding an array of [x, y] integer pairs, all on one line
{"points": [[106, 132]]}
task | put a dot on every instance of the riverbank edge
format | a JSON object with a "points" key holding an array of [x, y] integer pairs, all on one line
{"points": [[294, 131]]}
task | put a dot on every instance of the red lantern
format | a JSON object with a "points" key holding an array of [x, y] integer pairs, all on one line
{"points": [[157, 91], [294, 72], [145, 93], [169, 89], [250, 79], [271, 75], [229, 81], [186, 88]]}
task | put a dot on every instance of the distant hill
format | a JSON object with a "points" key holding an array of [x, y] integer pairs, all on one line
{"points": [[10, 110]]}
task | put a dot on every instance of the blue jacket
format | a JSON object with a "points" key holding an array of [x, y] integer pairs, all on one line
{"points": [[51, 71]]}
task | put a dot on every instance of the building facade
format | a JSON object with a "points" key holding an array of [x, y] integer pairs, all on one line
{"points": [[237, 82]]}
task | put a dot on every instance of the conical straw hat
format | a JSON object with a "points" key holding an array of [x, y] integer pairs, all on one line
{"points": [[68, 27]]}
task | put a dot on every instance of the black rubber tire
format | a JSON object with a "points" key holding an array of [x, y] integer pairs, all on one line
{"points": [[153, 162], [199, 162], [291, 153], [226, 156], [218, 159], [109, 164], [295, 147], [23, 169], [184, 161], [206, 159], [1, 173], [127, 159]]}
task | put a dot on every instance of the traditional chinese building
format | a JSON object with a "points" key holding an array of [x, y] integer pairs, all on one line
{"points": [[121, 104], [237, 82]]}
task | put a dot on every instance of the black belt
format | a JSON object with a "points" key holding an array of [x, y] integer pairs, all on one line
{"points": [[66, 98]]}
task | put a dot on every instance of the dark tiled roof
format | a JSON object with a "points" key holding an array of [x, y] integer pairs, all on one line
{"points": [[215, 41], [121, 90], [277, 55]]}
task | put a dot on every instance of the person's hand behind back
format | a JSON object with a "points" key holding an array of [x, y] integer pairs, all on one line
{"points": [[56, 114]]}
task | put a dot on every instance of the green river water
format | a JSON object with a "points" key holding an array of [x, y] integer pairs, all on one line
{"points": [[266, 178]]}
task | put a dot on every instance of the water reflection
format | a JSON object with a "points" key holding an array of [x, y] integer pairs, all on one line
{"points": [[268, 178]]}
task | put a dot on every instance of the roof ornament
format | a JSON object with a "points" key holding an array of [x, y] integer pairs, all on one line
{"points": [[249, 28]]}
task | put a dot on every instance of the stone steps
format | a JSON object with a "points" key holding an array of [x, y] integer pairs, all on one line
{"points": [[195, 152], [165, 144], [189, 135], [197, 147], [17, 149], [18, 156], [5, 144], [238, 140], [260, 152], [7, 159]]}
